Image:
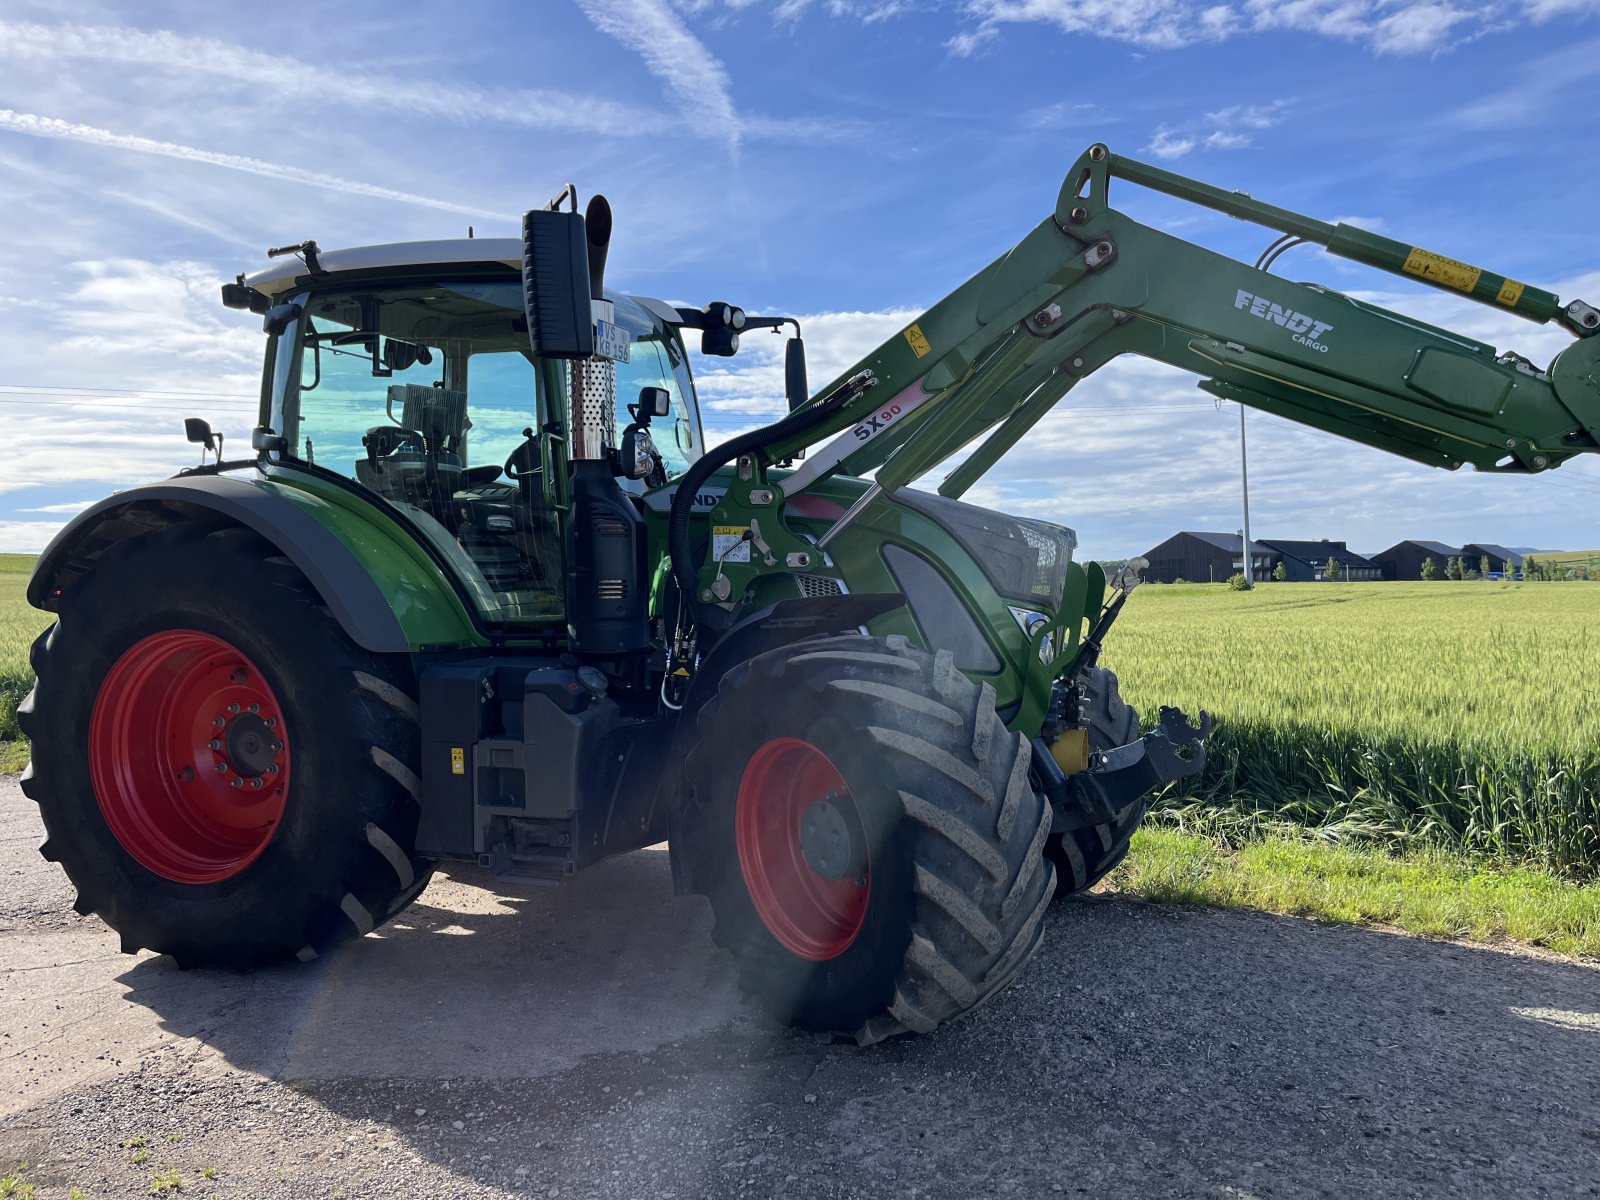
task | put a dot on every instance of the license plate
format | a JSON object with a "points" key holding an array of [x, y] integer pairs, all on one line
{"points": [[611, 342]]}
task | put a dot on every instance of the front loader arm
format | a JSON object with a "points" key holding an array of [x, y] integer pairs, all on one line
{"points": [[1089, 283]]}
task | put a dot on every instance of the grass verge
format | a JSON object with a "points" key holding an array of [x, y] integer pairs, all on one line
{"points": [[13, 756], [1426, 891]]}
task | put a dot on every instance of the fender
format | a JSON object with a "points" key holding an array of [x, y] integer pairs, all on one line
{"points": [[347, 588]]}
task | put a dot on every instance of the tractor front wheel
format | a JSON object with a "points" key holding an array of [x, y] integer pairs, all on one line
{"points": [[1083, 857], [864, 826], [221, 773]]}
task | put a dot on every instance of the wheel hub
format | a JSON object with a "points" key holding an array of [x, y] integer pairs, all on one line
{"points": [[250, 747], [830, 840]]}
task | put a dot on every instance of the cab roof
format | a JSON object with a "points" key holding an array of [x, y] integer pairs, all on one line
{"points": [[284, 273], [290, 271]]}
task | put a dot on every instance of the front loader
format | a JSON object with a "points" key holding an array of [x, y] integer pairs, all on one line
{"points": [[445, 611]]}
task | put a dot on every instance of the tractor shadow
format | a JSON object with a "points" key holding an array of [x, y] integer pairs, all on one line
{"points": [[1146, 1051], [476, 979]]}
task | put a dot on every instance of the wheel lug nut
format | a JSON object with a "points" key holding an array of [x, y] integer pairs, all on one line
{"points": [[219, 722], [237, 782], [222, 768], [255, 708], [256, 783], [271, 722], [214, 744], [272, 768], [233, 708], [276, 746]]}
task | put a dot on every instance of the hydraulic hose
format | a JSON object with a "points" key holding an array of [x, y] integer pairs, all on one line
{"points": [[798, 422]]}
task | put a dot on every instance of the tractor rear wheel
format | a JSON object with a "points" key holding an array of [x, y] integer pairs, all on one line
{"points": [[864, 826], [221, 773], [1083, 857]]}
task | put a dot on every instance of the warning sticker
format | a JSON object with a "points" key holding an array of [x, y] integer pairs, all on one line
{"points": [[918, 343], [1510, 292], [728, 543], [1448, 272], [458, 760]]}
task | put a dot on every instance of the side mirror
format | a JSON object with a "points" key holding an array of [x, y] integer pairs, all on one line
{"points": [[198, 430], [653, 402], [795, 388], [279, 317], [555, 284]]}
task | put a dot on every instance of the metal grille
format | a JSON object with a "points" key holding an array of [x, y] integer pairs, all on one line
{"points": [[594, 407], [814, 587]]}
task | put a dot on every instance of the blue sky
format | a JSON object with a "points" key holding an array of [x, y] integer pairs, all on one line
{"points": [[843, 160]]}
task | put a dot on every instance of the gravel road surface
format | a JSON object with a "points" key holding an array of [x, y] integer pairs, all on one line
{"points": [[589, 1041]]}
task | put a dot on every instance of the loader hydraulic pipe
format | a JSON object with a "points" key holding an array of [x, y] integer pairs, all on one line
{"points": [[1374, 250]]}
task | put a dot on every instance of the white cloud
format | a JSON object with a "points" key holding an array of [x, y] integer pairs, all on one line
{"points": [[673, 55], [1384, 26], [70, 508], [1417, 29], [50, 127], [1166, 144], [27, 537], [281, 79], [1231, 128]]}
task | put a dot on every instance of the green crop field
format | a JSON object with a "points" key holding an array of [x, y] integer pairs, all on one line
{"points": [[19, 625], [1462, 715]]}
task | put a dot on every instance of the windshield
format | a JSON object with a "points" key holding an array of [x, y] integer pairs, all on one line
{"points": [[363, 351], [426, 394]]}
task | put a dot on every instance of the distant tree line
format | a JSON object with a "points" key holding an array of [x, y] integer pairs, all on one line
{"points": [[1532, 568]]}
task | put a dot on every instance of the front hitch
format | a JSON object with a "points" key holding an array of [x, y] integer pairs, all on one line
{"points": [[1116, 778]]}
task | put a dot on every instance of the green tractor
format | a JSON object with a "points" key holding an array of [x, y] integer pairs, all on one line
{"points": [[446, 611]]}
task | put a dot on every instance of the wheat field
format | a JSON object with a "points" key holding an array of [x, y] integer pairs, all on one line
{"points": [[1456, 714]]}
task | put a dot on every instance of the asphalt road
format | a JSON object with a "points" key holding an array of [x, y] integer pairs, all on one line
{"points": [[588, 1041]]}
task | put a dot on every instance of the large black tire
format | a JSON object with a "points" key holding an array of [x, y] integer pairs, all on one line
{"points": [[952, 833], [1083, 857], [336, 862]]}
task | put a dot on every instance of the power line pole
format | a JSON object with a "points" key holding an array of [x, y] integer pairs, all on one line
{"points": [[1244, 483]]}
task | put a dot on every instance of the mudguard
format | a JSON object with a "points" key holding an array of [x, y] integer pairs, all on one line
{"points": [[345, 585]]}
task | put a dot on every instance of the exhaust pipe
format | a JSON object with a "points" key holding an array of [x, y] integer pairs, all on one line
{"points": [[597, 224], [594, 380]]}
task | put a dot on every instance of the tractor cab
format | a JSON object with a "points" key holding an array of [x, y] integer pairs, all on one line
{"points": [[407, 370]]}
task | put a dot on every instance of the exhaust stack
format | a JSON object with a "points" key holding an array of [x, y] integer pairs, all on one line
{"points": [[594, 380]]}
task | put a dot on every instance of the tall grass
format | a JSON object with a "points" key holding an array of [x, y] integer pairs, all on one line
{"points": [[19, 625], [1462, 715]]}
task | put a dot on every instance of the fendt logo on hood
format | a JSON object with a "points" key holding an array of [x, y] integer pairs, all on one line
{"points": [[1306, 330]]}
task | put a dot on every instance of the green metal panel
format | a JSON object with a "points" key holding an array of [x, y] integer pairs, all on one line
{"points": [[423, 600]]}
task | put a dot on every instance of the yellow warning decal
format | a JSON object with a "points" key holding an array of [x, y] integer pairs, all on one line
{"points": [[1448, 272], [458, 760], [1510, 292], [919, 344]]}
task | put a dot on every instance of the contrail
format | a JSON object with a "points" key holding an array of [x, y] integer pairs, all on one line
{"points": [[51, 127]]}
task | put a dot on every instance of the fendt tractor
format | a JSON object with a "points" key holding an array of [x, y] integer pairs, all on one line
{"points": [[446, 611]]}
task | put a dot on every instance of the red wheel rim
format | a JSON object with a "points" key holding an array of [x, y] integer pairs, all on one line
{"points": [[189, 756], [811, 915]]}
